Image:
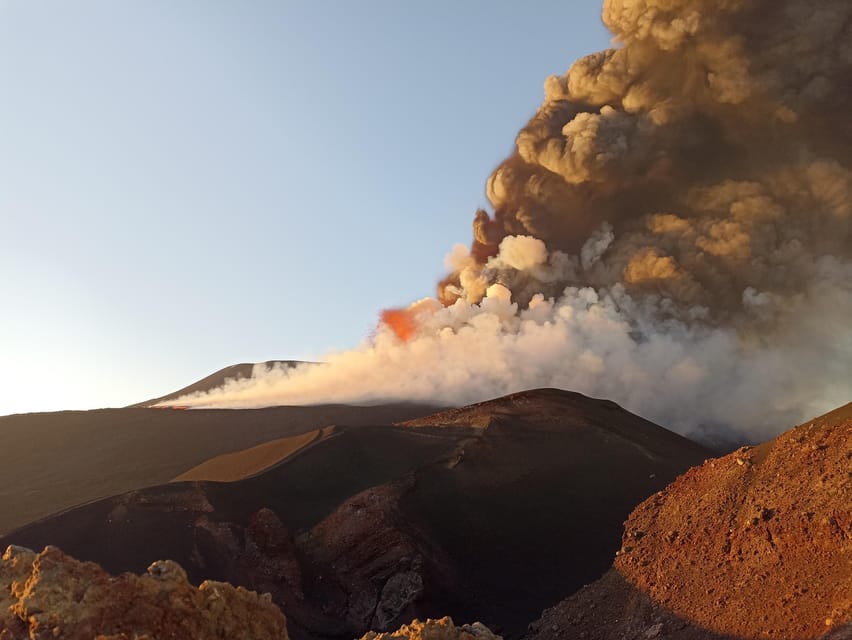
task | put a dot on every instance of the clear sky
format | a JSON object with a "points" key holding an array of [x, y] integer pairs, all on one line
{"points": [[185, 185]]}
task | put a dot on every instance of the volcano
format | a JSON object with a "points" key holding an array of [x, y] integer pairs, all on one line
{"points": [[494, 511]]}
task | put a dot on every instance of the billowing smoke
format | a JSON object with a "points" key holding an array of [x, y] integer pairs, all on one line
{"points": [[672, 232]]}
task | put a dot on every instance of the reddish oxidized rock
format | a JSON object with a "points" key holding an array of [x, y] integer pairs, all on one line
{"points": [[442, 629], [49, 595]]}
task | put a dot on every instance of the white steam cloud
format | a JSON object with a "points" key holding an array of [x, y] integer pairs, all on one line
{"points": [[700, 380], [672, 232]]}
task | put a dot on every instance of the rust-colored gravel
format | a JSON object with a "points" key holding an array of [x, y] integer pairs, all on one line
{"points": [[757, 544]]}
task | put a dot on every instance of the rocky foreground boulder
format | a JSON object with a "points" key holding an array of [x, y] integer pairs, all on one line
{"points": [[51, 595], [443, 629], [756, 544]]}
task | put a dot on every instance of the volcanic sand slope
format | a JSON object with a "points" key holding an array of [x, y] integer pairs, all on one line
{"points": [[243, 464], [373, 526], [757, 544], [53, 461]]}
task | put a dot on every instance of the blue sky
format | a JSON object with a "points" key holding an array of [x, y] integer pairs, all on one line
{"points": [[186, 185]]}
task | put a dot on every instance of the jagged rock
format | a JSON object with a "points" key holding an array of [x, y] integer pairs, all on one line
{"points": [[50, 595], [442, 629], [270, 554], [399, 592], [373, 561], [260, 556]]}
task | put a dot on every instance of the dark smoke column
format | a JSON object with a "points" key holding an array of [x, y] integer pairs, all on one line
{"points": [[702, 165]]}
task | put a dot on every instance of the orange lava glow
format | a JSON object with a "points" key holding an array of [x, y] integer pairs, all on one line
{"points": [[401, 321]]}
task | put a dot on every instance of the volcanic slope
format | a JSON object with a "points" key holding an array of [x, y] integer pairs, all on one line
{"points": [[756, 544], [490, 512], [53, 461]]}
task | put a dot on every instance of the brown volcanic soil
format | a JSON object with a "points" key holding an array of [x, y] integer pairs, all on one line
{"points": [[757, 544], [53, 461], [374, 526], [249, 462]]}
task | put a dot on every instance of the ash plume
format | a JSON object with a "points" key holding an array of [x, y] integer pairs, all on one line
{"points": [[672, 231]]}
